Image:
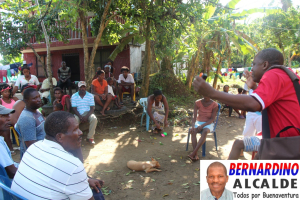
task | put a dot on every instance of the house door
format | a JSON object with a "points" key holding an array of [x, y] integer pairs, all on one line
{"points": [[72, 61]]}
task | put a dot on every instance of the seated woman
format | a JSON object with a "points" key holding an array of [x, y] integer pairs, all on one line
{"points": [[156, 112], [62, 99], [205, 112], [8, 101], [100, 91], [25, 78]]}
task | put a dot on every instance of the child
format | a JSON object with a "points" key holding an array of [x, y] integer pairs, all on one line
{"points": [[205, 111], [110, 82], [226, 89], [7, 99], [58, 107]]}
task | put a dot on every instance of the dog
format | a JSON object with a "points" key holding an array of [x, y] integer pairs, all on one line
{"points": [[147, 166]]}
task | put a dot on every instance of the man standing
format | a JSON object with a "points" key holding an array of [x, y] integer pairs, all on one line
{"points": [[275, 91], [216, 178], [6, 160], [126, 83], [64, 75], [48, 171], [31, 122], [83, 105]]}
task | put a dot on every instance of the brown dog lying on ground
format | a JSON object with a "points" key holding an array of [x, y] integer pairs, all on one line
{"points": [[147, 166]]}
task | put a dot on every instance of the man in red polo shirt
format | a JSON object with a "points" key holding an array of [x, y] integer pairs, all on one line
{"points": [[275, 91]]}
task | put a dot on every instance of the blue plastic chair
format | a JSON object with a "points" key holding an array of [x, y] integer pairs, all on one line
{"points": [[214, 132], [8, 194], [143, 102], [3, 171]]}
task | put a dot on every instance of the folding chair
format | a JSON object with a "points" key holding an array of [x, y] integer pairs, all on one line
{"points": [[3, 171], [214, 132], [7, 193]]}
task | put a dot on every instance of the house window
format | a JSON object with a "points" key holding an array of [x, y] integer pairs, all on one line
{"points": [[39, 66], [101, 58]]}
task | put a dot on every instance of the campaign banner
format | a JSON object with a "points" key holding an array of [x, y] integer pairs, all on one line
{"points": [[249, 179]]}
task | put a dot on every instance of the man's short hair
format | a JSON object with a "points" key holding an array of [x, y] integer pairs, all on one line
{"points": [[216, 164], [58, 89], [109, 79], [100, 72], [124, 68], [57, 122], [59, 106], [273, 56], [240, 90], [28, 92]]}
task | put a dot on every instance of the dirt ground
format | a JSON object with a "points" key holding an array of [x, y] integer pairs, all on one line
{"points": [[118, 142]]}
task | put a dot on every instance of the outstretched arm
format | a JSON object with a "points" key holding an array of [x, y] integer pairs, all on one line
{"points": [[241, 102]]}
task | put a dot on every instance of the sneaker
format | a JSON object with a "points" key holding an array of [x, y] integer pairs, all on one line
{"points": [[90, 141]]}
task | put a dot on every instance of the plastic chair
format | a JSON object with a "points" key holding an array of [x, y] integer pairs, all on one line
{"points": [[129, 93], [214, 132], [3, 171], [8, 194], [143, 102]]}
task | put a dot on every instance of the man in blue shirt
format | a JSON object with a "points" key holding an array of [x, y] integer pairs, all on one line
{"points": [[216, 178], [83, 105], [6, 160], [31, 121]]}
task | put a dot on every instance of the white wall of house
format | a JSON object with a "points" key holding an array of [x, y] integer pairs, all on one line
{"points": [[135, 58]]}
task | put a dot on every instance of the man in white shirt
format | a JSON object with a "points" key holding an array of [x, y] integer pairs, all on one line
{"points": [[126, 83], [48, 171], [45, 89]]}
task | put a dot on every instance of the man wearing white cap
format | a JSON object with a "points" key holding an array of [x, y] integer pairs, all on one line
{"points": [[83, 105]]}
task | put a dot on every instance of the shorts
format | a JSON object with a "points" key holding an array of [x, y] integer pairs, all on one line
{"points": [[68, 84], [209, 126], [251, 143], [126, 89]]}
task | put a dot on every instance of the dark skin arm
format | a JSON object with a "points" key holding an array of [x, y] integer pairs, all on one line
{"points": [[68, 104], [123, 83], [15, 90], [100, 95], [86, 117], [62, 80], [77, 113], [194, 117], [69, 76], [241, 102], [44, 90], [28, 143], [11, 170]]}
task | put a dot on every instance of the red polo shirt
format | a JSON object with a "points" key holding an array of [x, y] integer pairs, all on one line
{"points": [[277, 93]]}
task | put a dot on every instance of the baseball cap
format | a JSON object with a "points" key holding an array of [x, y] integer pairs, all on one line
{"points": [[81, 83], [5, 111], [28, 86]]}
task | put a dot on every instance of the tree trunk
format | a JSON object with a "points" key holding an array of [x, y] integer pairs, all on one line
{"points": [[89, 62], [145, 84], [217, 73], [166, 64], [49, 69], [193, 65]]}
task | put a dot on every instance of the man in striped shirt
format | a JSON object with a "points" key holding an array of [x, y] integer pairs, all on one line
{"points": [[48, 171], [83, 105]]}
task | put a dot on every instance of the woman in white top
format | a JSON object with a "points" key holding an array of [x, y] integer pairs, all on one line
{"points": [[156, 111], [26, 78]]}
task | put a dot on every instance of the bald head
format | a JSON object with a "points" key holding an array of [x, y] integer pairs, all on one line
{"points": [[273, 56], [217, 164]]}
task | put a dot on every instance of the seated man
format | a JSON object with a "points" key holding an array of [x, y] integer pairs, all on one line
{"points": [[48, 171], [205, 112], [31, 121], [126, 83], [83, 105], [6, 160], [100, 91], [64, 75], [45, 89], [63, 100]]}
